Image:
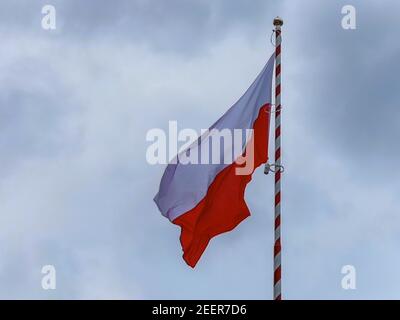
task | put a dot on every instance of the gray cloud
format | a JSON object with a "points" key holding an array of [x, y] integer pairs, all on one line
{"points": [[178, 26], [351, 96]]}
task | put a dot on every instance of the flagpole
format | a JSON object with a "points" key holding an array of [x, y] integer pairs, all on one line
{"points": [[278, 22]]}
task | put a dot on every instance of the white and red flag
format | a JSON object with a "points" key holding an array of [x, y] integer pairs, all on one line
{"points": [[208, 199]]}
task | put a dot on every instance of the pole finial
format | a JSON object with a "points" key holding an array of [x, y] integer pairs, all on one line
{"points": [[278, 21]]}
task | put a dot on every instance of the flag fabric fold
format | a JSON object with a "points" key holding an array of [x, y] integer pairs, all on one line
{"points": [[208, 199]]}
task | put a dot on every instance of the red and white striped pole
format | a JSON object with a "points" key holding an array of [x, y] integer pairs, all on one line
{"points": [[278, 22]]}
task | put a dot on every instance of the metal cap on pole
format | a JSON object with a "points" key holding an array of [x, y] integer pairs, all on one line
{"points": [[278, 21]]}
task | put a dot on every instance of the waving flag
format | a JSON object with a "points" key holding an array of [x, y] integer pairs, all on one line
{"points": [[208, 199]]}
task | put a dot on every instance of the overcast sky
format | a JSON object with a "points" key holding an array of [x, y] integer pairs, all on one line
{"points": [[75, 106]]}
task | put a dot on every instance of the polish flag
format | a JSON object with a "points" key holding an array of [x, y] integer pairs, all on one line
{"points": [[206, 200]]}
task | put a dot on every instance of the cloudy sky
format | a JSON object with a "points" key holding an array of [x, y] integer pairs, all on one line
{"points": [[76, 104]]}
